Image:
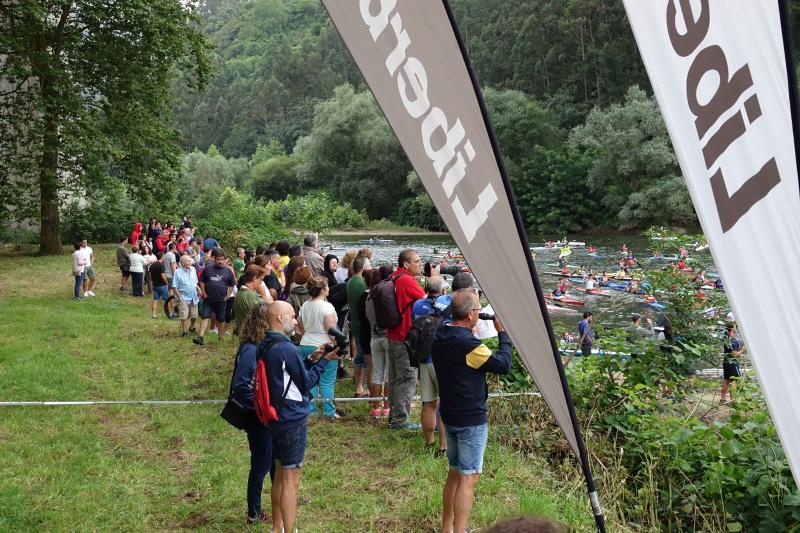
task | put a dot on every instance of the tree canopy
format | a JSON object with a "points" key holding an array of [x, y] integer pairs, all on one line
{"points": [[89, 95]]}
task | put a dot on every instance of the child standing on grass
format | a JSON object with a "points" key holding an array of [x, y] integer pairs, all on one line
{"points": [[78, 266]]}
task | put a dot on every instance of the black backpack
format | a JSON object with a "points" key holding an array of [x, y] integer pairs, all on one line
{"points": [[420, 337], [387, 315], [337, 297]]}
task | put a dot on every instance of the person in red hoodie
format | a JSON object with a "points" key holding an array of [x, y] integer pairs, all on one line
{"points": [[403, 376], [136, 233]]}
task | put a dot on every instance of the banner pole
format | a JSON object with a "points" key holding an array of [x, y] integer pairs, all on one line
{"points": [[523, 235], [791, 75]]}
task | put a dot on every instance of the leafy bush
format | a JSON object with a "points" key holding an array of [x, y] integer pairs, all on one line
{"points": [[236, 219], [315, 211], [101, 217]]}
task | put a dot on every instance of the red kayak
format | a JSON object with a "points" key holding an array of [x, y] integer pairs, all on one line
{"points": [[564, 300], [596, 292]]}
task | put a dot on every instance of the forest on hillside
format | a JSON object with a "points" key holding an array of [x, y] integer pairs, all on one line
{"points": [[569, 97]]}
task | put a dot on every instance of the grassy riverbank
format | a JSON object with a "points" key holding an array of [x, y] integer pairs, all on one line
{"points": [[133, 468]]}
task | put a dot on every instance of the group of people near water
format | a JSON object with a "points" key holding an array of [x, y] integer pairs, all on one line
{"points": [[291, 307]]}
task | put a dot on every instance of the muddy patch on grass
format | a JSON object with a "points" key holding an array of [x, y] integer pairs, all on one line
{"points": [[194, 521]]}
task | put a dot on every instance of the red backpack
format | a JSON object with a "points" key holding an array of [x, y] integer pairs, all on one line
{"points": [[265, 411]]}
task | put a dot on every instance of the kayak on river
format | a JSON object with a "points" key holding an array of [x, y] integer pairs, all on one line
{"points": [[565, 300]]}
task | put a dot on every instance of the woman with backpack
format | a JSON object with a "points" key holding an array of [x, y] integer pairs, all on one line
{"points": [[316, 317], [375, 338], [258, 435]]}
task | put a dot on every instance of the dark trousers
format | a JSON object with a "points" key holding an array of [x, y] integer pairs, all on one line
{"points": [[260, 441], [138, 279]]}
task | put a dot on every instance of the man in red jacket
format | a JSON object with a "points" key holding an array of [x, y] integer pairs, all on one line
{"points": [[403, 376]]}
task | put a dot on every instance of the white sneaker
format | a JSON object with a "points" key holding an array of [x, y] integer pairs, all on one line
{"points": [[89, 293]]}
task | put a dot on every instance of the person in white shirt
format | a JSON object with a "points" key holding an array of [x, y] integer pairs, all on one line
{"points": [[88, 270], [137, 271], [589, 283], [316, 317], [78, 268]]}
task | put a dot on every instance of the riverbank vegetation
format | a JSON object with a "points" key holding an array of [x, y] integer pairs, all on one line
{"points": [[669, 456]]}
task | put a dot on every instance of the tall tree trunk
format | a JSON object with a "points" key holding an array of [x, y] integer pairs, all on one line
{"points": [[50, 231]]}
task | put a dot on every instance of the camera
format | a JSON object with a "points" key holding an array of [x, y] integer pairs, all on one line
{"points": [[341, 341], [486, 316]]}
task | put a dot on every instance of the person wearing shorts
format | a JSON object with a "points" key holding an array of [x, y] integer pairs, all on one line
{"points": [[216, 285], [733, 350], [435, 302], [159, 280], [375, 337], [462, 361], [88, 269], [290, 380], [186, 290]]}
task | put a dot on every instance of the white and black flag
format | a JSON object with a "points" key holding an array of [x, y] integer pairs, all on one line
{"points": [[724, 79], [415, 64]]}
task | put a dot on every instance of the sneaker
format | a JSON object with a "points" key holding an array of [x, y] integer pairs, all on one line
{"points": [[89, 293], [385, 412], [215, 330], [334, 416], [375, 413], [198, 340], [183, 334], [262, 517], [77, 298], [192, 329], [154, 317], [441, 452], [409, 426]]}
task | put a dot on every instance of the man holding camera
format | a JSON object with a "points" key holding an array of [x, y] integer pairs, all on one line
{"points": [[462, 361], [290, 382]]}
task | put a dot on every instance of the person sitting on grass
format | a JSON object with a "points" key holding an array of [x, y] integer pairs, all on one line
{"points": [[290, 381], [187, 292]]}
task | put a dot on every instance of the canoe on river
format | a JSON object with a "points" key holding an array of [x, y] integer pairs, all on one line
{"points": [[596, 292], [565, 300]]}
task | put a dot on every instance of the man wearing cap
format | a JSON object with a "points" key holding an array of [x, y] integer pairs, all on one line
{"points": [[185, 290], [216, 284]]}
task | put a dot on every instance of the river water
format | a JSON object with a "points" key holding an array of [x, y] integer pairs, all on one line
{"points": [[614, 310]]}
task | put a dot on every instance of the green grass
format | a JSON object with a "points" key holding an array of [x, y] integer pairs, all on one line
{"points": [[134, 468]]}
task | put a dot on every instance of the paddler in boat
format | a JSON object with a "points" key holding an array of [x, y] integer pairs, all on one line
{"points": [[700, 278], [656, 253], [561, 290], [562, 262], [623, 249], [681, 265], [603, 278], [591, 249], [633, 287], [589, 282]]}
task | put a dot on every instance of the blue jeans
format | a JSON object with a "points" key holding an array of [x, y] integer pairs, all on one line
{"points": [[327, 384], [78, 283], [465, 447], [260, 441]]}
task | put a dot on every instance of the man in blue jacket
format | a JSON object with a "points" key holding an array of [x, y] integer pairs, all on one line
{"points": [[290, 382], [462, 361]]}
